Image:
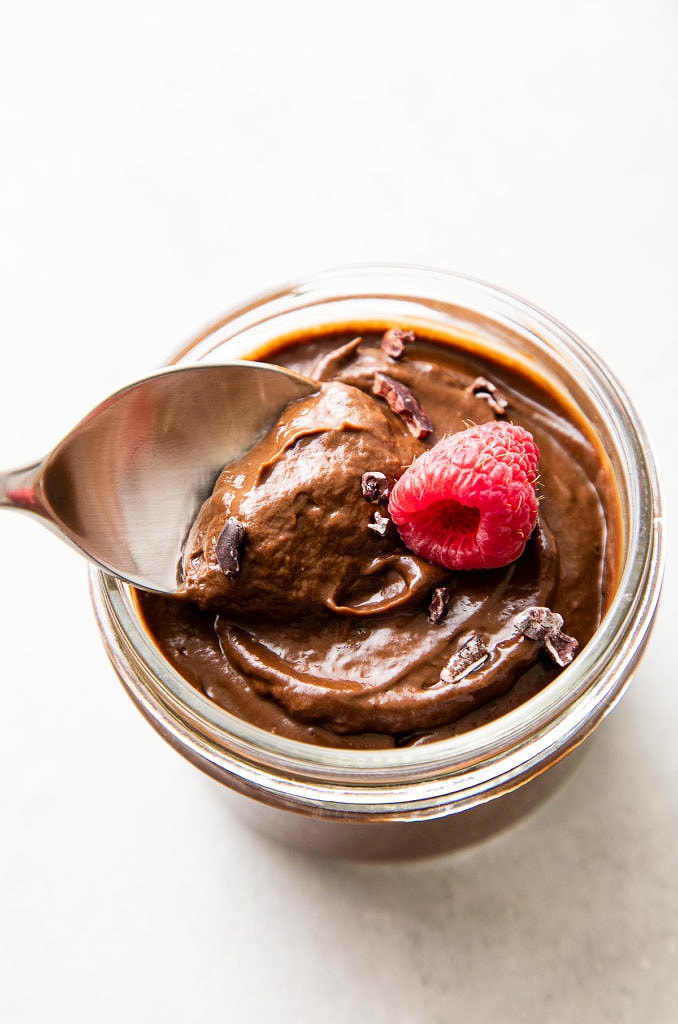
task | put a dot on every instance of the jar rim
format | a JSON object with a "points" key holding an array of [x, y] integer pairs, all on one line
{"points": [[480, 763]]}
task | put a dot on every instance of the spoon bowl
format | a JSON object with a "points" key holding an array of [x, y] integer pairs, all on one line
{"points": [[124, 486]]}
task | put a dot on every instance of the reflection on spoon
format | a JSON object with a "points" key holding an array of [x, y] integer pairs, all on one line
{"points": [[124, 485]]}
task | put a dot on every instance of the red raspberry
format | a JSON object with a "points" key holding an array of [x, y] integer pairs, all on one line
{"points": [[470, 502]]}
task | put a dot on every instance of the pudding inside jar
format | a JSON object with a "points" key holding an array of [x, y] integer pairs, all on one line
{"points": [[328, 629]]}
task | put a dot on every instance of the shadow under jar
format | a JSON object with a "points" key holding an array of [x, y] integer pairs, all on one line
{"points": [[434, 790]]}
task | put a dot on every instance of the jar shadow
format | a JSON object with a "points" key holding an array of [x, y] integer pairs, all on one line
{"points": [[402, 841]]}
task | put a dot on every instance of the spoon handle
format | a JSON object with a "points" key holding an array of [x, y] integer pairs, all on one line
{"points": [[18, 489]]}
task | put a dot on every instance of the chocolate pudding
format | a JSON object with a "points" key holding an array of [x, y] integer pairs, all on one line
{"points": [[302, 611]]}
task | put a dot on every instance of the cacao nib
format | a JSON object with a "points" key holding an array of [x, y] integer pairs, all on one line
{"points": [[470, 656], [561, 647], [536, 623], [380, 523], [376, 487], [402, 401], [542, 624], [394, 341], [437, 609], [228, 547], [497, 401]]}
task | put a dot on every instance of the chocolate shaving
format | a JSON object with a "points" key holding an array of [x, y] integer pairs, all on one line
{"points": [[228, 547], [402, 401], [376, 487], [437, 609], [497, 401], [380, 524], [470, 656], [542, 624], [394, 341]]}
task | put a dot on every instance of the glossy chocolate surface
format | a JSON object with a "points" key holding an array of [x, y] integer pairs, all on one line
{"points": [[322, 630]]}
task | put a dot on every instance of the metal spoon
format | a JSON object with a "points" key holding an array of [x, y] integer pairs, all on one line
{"points": [[124, 486]]}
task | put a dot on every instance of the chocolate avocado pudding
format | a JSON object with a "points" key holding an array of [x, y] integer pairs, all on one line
{"points": [[302, 610]]}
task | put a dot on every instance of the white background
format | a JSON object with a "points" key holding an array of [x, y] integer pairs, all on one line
{"points": [[160, 163]]}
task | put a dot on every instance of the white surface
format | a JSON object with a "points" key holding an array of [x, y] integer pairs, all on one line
{"points": [[160, 163]]}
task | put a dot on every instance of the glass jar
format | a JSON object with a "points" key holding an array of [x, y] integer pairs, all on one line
{"points": [[427, 798]]}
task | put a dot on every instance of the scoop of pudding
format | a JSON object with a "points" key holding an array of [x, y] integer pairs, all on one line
{"points": [[288, 531]]}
